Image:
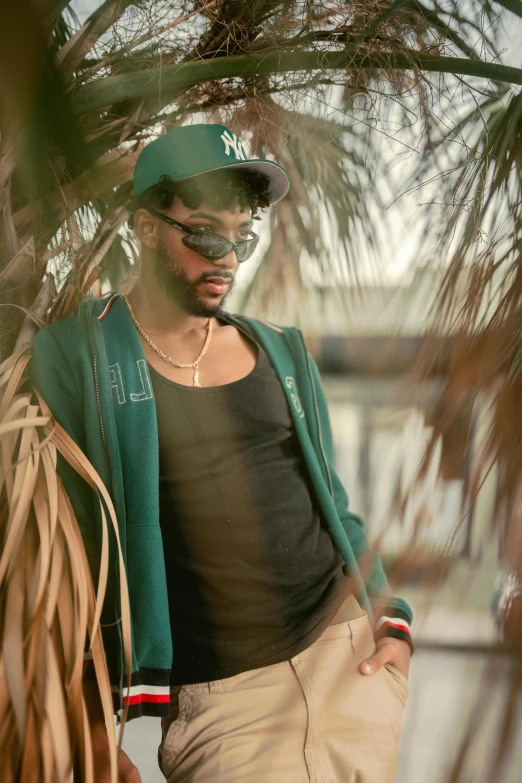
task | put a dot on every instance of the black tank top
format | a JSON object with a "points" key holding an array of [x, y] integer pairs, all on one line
{"points": [[252, 573]]}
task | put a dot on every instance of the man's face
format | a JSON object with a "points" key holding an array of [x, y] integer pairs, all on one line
{"points": [[199, 286]]}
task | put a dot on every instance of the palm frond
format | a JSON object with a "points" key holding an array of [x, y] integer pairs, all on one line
{"points": [[325, 218], [479, 302], [72, 121], [64, 27], [48, 607], [515, 6]]}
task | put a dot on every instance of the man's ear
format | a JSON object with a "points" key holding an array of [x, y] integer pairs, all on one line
{"points": [[146, 227]]}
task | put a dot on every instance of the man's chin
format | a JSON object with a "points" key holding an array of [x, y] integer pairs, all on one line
{"points": [[205, 307], [192, 301]]}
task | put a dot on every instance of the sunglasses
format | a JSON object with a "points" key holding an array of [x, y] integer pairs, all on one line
{"points": [[210, 245]]}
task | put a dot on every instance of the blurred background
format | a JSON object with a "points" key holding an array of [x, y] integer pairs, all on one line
{"points": [[397, 252]]}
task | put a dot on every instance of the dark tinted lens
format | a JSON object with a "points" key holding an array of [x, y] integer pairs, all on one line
{"points": [[210, 246], [245, 249]]}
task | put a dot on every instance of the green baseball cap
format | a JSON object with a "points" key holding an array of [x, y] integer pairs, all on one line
{"points": [[189, 150]]}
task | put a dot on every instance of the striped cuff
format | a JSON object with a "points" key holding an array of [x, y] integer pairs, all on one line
{"points": [[396, 625], [148, 695]]}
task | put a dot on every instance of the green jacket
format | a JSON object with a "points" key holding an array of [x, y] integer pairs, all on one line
{"points": [[93, 374]]}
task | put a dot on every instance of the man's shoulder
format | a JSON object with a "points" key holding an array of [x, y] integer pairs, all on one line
{"points": [[78, 319], [72, 332], [285, 345], [261, 323]]}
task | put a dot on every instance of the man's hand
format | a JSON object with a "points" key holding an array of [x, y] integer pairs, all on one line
{"points": [[127, 772], [396, 652]]}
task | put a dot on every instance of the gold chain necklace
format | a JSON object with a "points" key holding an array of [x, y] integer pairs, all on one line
{"points": [[193, 365]]}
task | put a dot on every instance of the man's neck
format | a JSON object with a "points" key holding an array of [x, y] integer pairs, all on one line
{"points": [[158, 314]]}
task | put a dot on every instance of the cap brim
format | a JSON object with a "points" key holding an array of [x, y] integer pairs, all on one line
{"points": [[279, 179]]}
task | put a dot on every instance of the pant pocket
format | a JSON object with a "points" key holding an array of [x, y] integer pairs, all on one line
{"points": [[401, 683], [361, 636], [168, 726]]}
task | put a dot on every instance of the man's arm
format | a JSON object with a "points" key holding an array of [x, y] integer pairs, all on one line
{"points": [[127, 772], [385, 605], [53, 377]]}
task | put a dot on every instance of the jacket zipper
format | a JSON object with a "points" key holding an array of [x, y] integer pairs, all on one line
{"points": [[318, 419], [120, 650], [96, 385], [104, 440]]}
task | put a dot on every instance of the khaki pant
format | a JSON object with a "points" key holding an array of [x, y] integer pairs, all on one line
{"points": [[312, 719]]}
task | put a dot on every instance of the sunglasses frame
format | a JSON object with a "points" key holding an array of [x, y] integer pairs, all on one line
{"points": [[193, 231]]}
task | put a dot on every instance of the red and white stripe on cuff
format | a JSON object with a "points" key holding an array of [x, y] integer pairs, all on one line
{"points": [[392, 622], [136, 694]]}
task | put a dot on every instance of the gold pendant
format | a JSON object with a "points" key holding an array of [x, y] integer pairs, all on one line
{"points": [[196, 377]]}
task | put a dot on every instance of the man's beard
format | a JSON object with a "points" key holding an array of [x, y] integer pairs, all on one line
{"points": [[183, 290]]}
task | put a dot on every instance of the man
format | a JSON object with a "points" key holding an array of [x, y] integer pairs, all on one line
{"points": [[250, 581]]}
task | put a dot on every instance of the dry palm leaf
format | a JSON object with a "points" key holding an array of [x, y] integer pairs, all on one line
{"points": [[48, 606]]}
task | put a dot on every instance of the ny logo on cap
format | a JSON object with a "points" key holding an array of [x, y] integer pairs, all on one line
{"points": [[232, 142]]}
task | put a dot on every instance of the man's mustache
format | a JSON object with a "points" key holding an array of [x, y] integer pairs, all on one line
{"points": [[226, 275]]}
